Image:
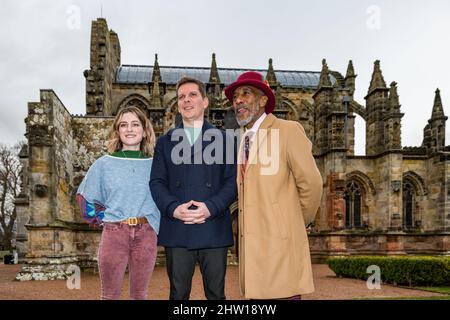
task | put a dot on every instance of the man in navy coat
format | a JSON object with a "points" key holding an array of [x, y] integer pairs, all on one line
{"points": [[193, 182]]}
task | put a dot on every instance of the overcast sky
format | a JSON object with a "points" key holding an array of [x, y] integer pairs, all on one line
{"points": [[45, 45]]}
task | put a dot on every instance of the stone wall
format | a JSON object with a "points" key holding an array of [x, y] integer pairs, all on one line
{"points": [[389, 190], [446, 193], [41, 159], [382, 180], [438, 199], [61, 150], [63, 154], [377, 243], [91, 134]]}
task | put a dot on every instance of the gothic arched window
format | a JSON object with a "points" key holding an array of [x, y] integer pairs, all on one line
{"points": [[353, 204], [408, 205]]}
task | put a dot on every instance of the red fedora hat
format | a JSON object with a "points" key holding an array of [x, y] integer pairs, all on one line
{"points": [[254, 79]]}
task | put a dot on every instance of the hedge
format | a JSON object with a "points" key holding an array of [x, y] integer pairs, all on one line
{"points": [[401, 270]]}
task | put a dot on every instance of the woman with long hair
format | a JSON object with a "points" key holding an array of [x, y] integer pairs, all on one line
{"points": [[115, 193]]}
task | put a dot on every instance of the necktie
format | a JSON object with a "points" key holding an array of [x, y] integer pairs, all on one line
{"points": [[246, 148], [247, 145]]}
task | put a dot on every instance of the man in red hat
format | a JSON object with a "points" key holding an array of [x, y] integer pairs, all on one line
{"points": [[275, 203]]}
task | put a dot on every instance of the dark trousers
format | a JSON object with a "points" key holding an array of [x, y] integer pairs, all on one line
{"points": [[181, 266]]}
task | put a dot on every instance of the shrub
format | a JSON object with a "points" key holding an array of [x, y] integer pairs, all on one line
{"points": [[402, 270]]}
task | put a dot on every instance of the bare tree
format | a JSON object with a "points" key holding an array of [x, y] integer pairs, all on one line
{"points": [[10, 169]]}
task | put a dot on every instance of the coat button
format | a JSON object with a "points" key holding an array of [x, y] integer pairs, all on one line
{"points": [[208, 185], [178, 184]]}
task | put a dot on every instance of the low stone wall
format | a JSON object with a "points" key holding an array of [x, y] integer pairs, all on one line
{"points": [[387, 243]]}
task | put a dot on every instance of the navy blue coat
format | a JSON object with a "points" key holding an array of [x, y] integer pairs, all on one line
{"points": [[173, 183]]}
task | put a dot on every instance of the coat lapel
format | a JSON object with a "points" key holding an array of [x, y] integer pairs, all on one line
{"points": [[177, 136], [261, 137], [239, 155]]}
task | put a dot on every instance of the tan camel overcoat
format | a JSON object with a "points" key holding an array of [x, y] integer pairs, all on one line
{"points": [[278, 196]]}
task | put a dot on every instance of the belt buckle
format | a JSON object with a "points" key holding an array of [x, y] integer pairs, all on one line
{"points": [[132, 221]]}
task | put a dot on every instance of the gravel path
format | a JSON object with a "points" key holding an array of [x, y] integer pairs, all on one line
{"points": [[328, 286]]}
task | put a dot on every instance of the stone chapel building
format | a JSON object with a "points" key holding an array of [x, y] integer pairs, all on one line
{"points": [[393, 200]]}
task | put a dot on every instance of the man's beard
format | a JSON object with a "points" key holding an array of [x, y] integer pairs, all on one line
{"points": [[251, 116]]}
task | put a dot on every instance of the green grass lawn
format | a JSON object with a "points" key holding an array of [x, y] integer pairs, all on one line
{"points": [[443, 290]]}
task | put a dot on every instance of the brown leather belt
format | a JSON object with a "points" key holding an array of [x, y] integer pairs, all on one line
{"points": [[133, 221]]}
